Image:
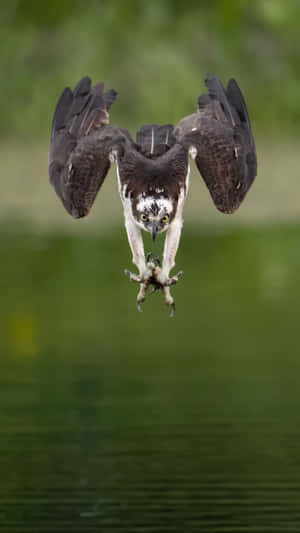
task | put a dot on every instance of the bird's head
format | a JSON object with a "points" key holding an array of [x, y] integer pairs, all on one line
{"points": [[154, 214]]}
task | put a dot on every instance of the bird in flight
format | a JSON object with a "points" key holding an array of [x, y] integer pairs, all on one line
{"points": [[153, 171]]}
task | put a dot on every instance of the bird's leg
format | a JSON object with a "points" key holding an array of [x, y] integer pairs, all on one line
{"points": [[146, 270], [149, 272], [136, 244], [170, 250]]}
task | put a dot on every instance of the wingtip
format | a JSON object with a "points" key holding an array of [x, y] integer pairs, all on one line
{"points": [[66, 91], [212, 80], [83, 86], [109, 97], [233, 83], [209, 77], [61, 110]]}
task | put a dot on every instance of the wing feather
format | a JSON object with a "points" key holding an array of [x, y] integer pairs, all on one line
{"points": [[81, 144], [216, 92], [220, 138]]}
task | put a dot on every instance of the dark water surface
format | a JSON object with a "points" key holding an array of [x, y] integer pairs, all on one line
{"points": [[115, 421]]}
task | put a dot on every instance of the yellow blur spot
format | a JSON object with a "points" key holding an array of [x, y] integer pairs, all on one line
{"points": [[22, 334]]}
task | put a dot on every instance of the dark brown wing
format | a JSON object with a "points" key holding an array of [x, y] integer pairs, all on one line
{"points": [[219, 137], [81, 144]]}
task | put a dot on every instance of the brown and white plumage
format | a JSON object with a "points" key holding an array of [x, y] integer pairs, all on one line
{"points": [[153, 172], [222, 143], [81, 144]]}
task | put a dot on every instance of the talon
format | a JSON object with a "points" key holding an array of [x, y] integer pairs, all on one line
{"points": [[155, 259], [138, 305], [154, 289], [174, 279], [169, 300], [173, 309], [150, 254], [132, 276], [142, 294], [153, 275]]}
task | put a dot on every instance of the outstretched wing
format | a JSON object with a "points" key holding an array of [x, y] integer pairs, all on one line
{"points": [[81, 144], [220, 139]]}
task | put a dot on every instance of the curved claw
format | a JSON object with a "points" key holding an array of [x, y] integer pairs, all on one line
{"points": [[155, 259], [138, 305], [154, 289], [149, 255], [173, 309], [133, 277], [174, 279]]}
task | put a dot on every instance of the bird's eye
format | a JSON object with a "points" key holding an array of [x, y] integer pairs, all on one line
{"points": [[165, 219], [144, 217]]}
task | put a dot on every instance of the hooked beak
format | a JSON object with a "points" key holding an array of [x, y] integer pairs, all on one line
{"points": [[154, 230]]}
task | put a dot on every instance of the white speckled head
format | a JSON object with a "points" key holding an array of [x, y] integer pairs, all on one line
{"points": [[153, 214], [159, 205]]}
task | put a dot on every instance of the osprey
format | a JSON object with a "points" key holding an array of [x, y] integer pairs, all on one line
{"points": [[153, 172]]}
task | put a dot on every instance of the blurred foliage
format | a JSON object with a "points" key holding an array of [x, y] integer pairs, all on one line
{"points": [[156, 54]]}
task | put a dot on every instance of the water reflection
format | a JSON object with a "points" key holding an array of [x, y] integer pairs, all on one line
{"points": [[111, 420]]}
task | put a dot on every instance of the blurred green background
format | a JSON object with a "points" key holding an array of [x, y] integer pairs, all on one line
{"points": [[112, 420]]}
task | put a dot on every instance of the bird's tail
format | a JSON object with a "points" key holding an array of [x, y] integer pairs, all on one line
{"points": [[154, 140]]}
